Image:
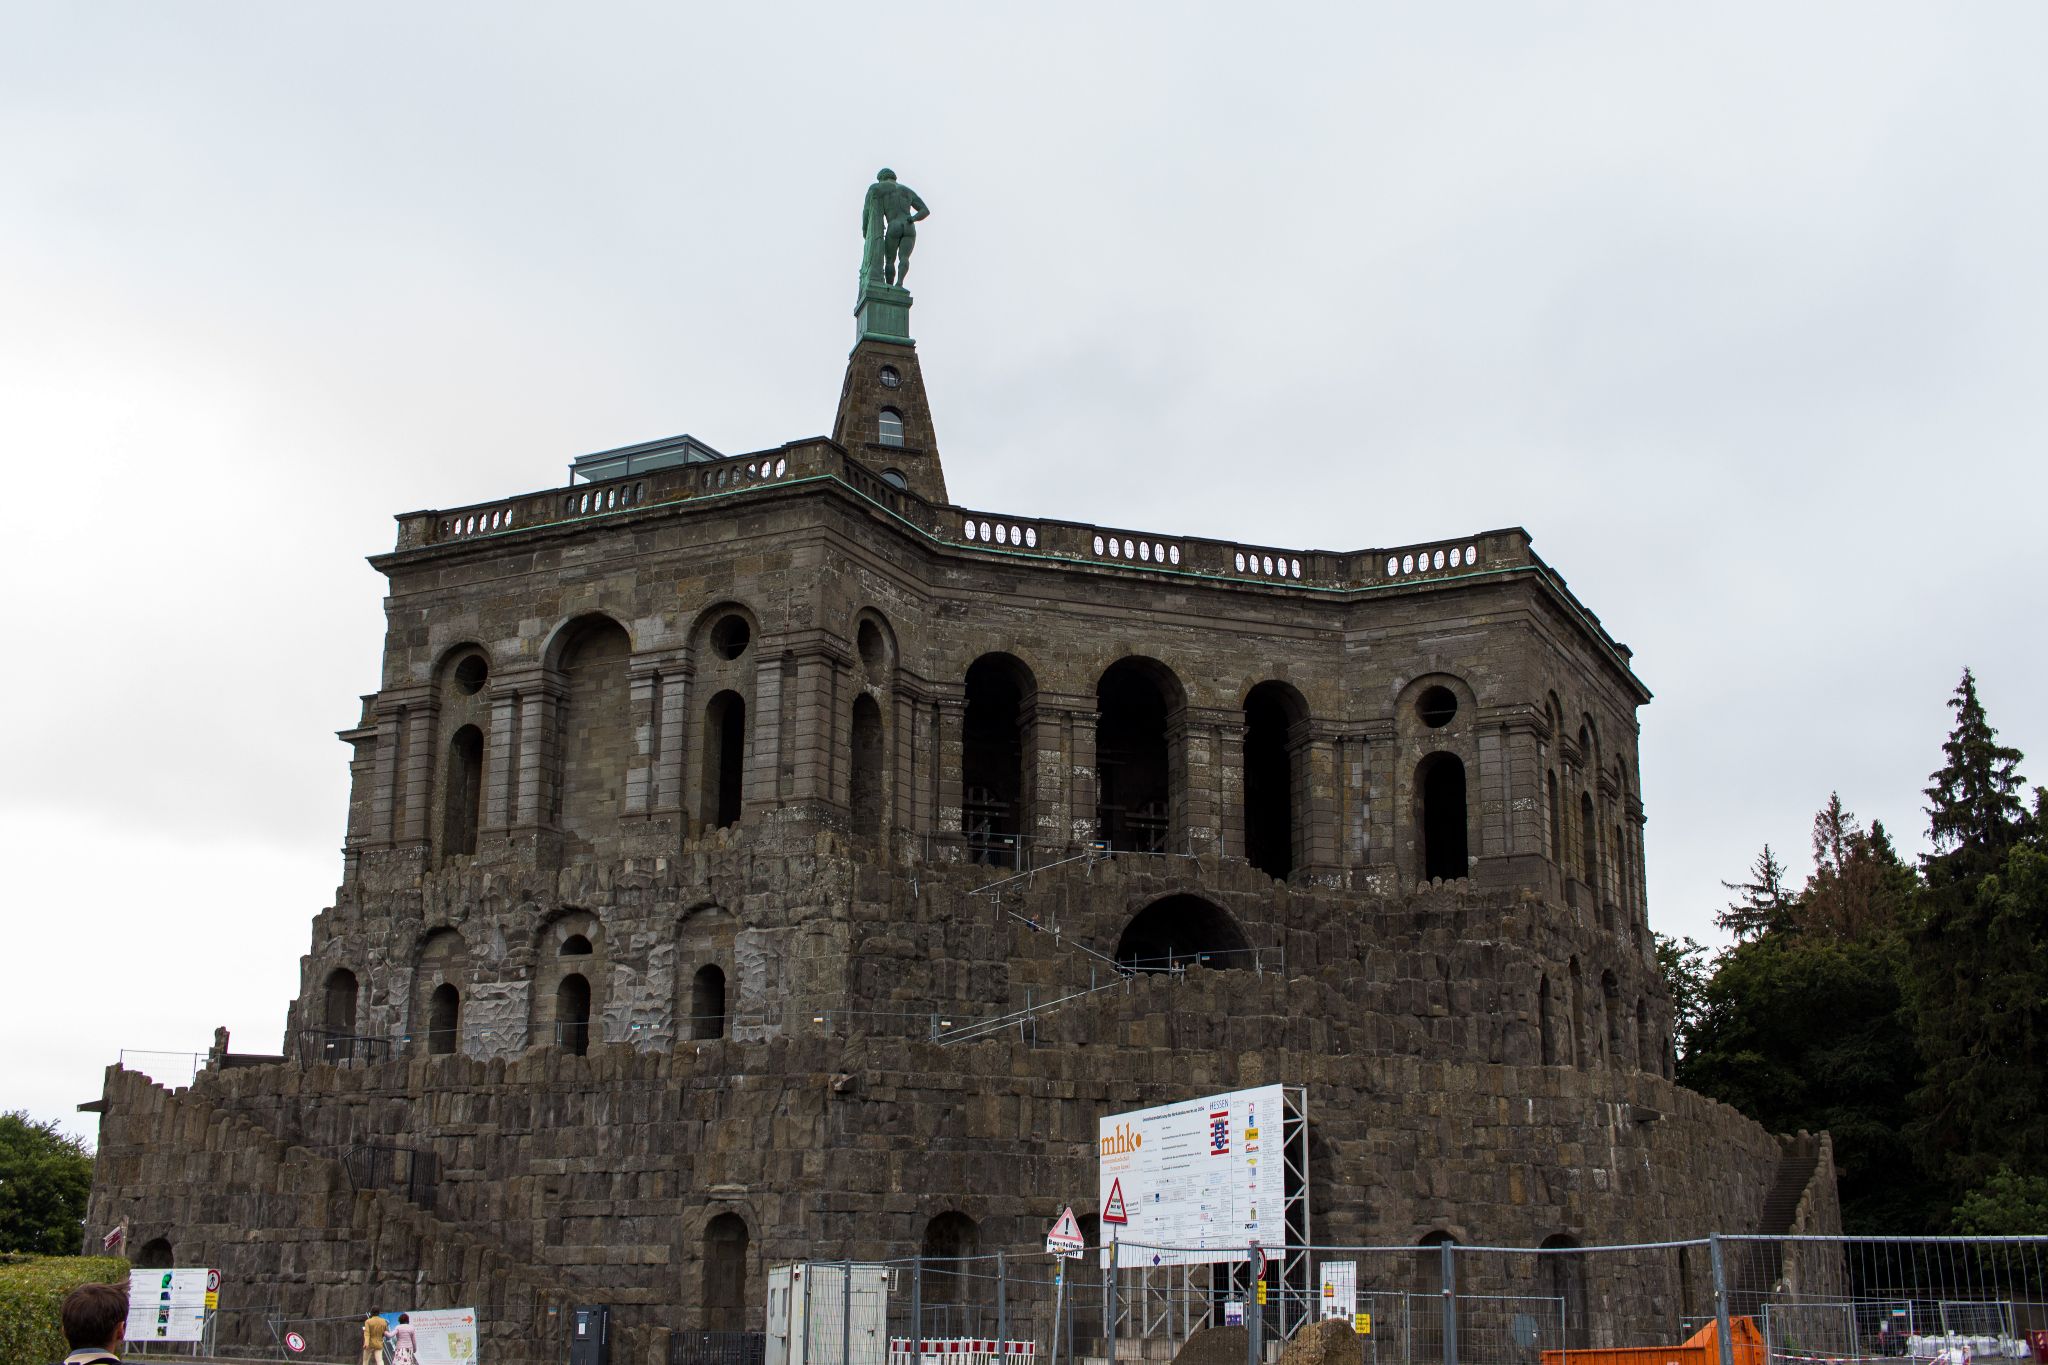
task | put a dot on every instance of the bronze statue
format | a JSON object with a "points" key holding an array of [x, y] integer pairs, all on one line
{"points": [[888, 220]]}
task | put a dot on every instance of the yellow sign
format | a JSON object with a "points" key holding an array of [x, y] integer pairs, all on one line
{"points": [[212, 1299], [1262, 1293], [1361, 1323]]}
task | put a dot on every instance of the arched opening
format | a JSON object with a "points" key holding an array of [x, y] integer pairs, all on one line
{"points": [[1575, 1020], [576, 945], [725, 1273], [462, 792], [1440, 787], [1273, 784], [1645, 1054], [1544, 1025], [572, 1014], [1179, 932], [873, 647], [864, 791], [992, 759], [1564, 1274], [1429, 1264], [338, 1015], [596, 731], [444, 1020], [725, 745], [707, 1003], [1610, 1007], [155, 1254], [951, 1241], [1556, 820], [1134, 785], [1589, 844]]}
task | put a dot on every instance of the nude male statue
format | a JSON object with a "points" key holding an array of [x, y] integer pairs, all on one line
{"points": [[888, 220]]}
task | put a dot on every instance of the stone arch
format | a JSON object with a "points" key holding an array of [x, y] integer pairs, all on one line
{"points": [[444, 1020], [1181, 931], [566, 1012], [339, 994], [1429, 1261], [463, 721], [1275, 778], [874, 644], [995, 781], [951, 1242], [156, 1254], [1140, 756], [724, 763], [441, 958], [726, 1242], [705, 938], [865, 778], [1564, 1276], [1442, 818], [593, 733]]}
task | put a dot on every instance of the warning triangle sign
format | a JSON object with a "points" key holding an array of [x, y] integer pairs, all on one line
{"points": [[1065, 1239], [1113, 1207]]}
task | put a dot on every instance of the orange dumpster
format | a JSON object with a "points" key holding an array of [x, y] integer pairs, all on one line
{"points": [[1701, 1348]]}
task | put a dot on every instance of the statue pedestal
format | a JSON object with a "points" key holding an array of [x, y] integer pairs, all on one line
{"points": [[883, 314]]}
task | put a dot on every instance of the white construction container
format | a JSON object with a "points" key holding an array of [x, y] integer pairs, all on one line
{"points": [[828, 1313]]}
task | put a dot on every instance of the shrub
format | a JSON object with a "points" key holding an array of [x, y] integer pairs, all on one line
{"points": [[32, 1291]]}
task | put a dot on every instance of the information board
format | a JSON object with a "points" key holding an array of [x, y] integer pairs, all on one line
{"points": [[1340, 1289], [1193, 1182], [447, 1336], [169, 1305]]}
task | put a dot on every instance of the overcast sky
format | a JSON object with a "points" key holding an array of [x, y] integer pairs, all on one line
{"points": [[1738, 308]]}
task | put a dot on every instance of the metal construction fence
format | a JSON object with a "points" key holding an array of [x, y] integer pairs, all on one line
{"points": [[1718, 1300]]}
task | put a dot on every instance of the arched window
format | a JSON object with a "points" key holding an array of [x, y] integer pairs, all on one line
{"points": [[992, 758], [572, 1014], [1179, 932], [707, 1003], [1589, 845], [1429, 1263], [1134, 791], [444, 1020], [338, 1015], [155, 1254], [595, 734], [1610, 1006], [1543, 1023], [1273, 778], [889, 427], [462, 792], [1575, 1022], [864, 790], [1564, 1269], [1556, 820], [1440, 792], [1645, 1054], [725, 746], [725, 1274]]}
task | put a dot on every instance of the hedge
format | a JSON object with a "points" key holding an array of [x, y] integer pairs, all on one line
{"points": [[32, 1291]]}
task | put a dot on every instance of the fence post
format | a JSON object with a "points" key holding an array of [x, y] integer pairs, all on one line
{"points": [[1002, 1305], [917, 1311], [1719, 1263], [1109, 1303], [1450, 1277], [1254, 1311], [806, 1271], [846, 1313]]}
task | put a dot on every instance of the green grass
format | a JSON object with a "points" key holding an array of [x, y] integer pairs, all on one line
{"points": [[32, 1291]]}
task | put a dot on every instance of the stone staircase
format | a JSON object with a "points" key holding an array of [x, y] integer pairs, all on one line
{"points": [[1761, 1265]]}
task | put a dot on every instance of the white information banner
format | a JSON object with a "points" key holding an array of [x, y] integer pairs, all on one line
{"points": [[1194, 1182], [447, 1336], [167, 1305]]}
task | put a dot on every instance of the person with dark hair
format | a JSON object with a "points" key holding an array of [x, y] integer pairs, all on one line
{"points": [[405, 1342], [95, 1323]]}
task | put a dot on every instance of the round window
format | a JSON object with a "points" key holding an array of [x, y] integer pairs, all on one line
{"points": [[890, 379], [471, 674], [1437, 706], [731, 636], [895, 479]]}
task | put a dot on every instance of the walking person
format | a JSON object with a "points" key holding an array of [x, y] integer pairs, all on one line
{"points": [[374, 1327], [405, 1346]]}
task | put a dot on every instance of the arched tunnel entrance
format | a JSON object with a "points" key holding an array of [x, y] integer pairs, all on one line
{"points": [[1182, 931]]}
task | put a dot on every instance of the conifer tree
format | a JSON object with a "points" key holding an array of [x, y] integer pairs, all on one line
{"points": [[1762, 904], [1975, 808]]}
